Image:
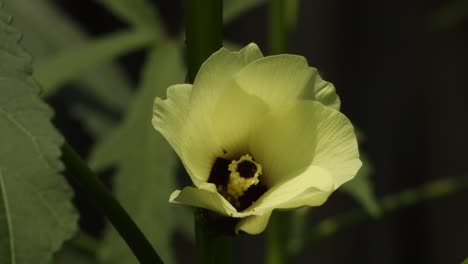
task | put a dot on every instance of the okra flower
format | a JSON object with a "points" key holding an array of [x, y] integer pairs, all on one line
{"points": [[256, 134]]}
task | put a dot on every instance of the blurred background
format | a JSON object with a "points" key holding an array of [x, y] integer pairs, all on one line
{"points": [[400, 68]]}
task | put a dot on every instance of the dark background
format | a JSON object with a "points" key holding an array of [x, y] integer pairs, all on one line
{"points": [[402, 80]]}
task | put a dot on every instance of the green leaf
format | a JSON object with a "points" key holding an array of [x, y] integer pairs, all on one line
{"points": [[465, 261], [138, 13], [70, 64], [36, 213], [361, 188], [146, 163], [234, 8], [71, 255], [106, 82]]}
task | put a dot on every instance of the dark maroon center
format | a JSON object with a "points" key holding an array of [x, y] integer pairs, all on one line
{"points": [[219, 176], [246, 169]]}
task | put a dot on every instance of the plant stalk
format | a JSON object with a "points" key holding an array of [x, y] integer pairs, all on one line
{"points": [[213, 246], [203, 36], [203, 32], [123, 223], [282, 16], [277, 237]]}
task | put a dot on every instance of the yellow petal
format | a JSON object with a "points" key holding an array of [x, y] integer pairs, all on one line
{"points": [[253, 224], [216, 74], [170, 117], [321, 91], [203, 198], [221, 133], [303, 134], [276, 79], [312, 187]]}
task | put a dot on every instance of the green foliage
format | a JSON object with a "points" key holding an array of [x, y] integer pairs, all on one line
{"points": [[105, 82], [62, 68], [72, 255], [234, 8], [35, 19], [145, 162], [138, 13], [465, 261], [36, 213], [361, 188]]}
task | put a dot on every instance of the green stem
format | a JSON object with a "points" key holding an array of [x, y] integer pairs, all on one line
{"points": [[86, 243], [212, 246], [68, 65], [278, 29], [90, 183], [277, 238], [283, 16], [203, 32], [388, 204], [203, 36], [282, 13]]}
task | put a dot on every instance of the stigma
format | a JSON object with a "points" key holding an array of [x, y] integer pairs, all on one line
{"points": [[244, 173], [239, 180]]}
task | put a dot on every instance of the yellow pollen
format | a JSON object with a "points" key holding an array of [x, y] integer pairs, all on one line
{"points": [[244, 173]]}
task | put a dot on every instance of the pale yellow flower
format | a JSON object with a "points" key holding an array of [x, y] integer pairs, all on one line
{"points": [[256, 134]]}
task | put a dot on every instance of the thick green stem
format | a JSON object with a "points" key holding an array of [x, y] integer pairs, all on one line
{"points": [[281, 17], [277, 236], [212, 245], [278, 27], [90, 183], [203, 32]]}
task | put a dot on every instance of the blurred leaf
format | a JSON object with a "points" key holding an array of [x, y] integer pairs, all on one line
{"points": [[71, 255], [234, 8], [138, 13], [49, 32], [465, 261], [69, 64], [146, 163], [361, 188], [36, 213], [36, 19], [98, 124]]}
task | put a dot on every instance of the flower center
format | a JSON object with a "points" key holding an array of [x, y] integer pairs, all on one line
{"points": [[244, 173], [238, 180]]}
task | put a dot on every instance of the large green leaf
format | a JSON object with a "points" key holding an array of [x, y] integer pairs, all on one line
{"points": [[71, 255], [146, 163], [47, 33], [36, 213], [138, 13]]}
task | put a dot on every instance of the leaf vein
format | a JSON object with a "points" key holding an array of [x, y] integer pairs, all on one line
{"points": [[8, 219]]}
